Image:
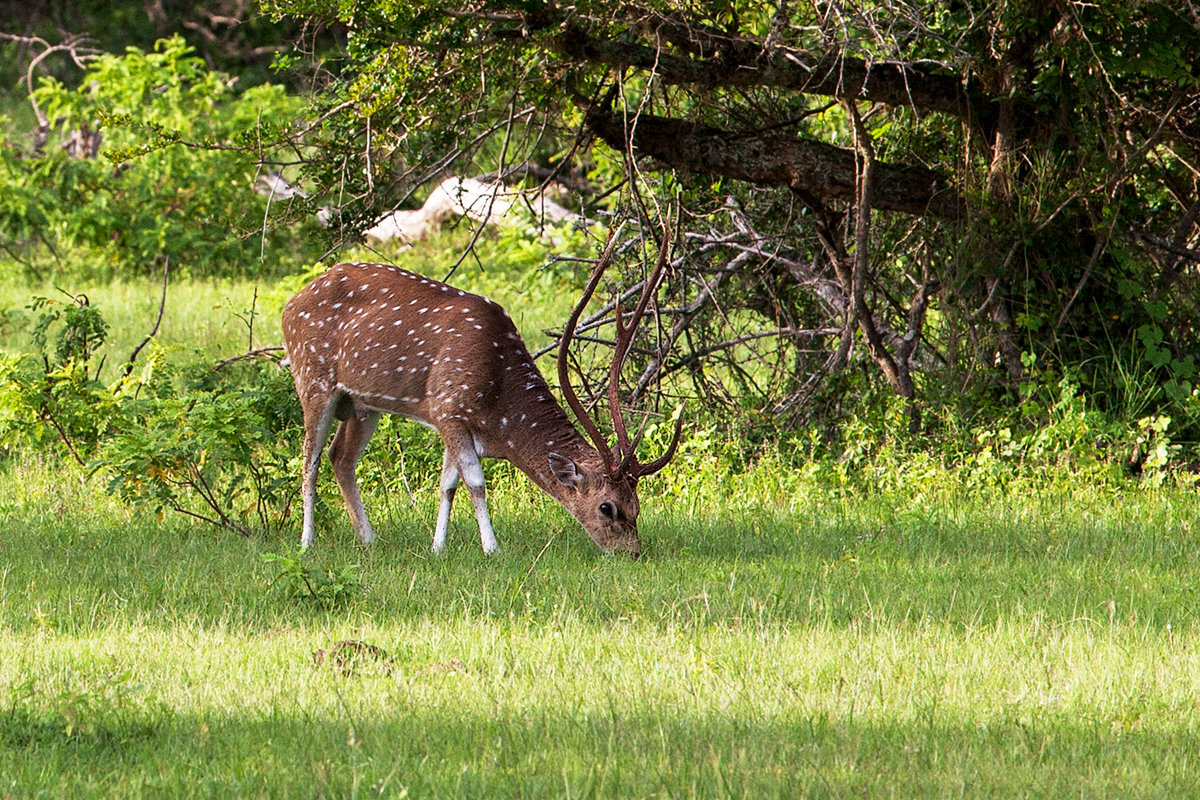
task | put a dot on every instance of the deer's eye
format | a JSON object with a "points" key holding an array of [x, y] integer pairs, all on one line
{"points": [[607, 510]]}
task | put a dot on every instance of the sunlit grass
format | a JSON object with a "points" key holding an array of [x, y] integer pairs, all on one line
{"points": [[786, 636], [201, 319], [214, 319], [985, 645]]}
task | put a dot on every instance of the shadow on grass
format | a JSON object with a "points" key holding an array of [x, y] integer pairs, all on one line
{"points": [[538, 753]]}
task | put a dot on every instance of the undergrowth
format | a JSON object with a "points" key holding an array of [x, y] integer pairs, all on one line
{"points": [[220, 443]]}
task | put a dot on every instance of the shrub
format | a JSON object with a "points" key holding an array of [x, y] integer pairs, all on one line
{"points": [[174, 173], [213, 442], [222, 450]]}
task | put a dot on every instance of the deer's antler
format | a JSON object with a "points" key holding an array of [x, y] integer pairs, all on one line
{"points": [[564, 344], [626, 448]]}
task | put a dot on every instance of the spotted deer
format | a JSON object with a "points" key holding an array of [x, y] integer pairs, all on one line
{"points": [[367, 339]]}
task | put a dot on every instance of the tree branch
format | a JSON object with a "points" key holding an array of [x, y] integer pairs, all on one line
{"points": [[807, 167], [742, 63], [162, 304]]}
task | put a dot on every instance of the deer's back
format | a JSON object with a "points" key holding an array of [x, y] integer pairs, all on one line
{"points": [[399, 342]]}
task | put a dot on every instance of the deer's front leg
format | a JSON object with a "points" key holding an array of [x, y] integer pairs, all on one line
{"points": [[462, 461], [449, 484], [472, 475]]}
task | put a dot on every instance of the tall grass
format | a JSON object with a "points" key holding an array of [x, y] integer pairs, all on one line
{"points": [[221, 318], [201, 319]]}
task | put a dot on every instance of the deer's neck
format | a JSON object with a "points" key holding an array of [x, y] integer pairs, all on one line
{"points": [[532, 431]]}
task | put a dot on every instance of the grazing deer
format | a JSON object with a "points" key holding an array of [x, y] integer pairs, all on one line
{"points": [[368, 339]]}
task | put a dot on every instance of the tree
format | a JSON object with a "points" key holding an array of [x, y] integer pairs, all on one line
{"points": [[953, 192], [229, 35]]}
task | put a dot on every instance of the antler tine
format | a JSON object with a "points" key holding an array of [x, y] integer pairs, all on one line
{"points": [[637, 470], [623, 341], [564, 343], [625, 334]]}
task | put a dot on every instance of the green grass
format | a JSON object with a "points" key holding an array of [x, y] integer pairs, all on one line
{"points": [[785, 636], [840, 646], [201, 319]]}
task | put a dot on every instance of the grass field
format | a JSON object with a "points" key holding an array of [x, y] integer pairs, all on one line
{"points": [[823, 647], [785, 636]]}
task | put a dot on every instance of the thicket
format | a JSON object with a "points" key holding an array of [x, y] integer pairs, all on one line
{"points": [[151, 156], [1013, 324], [968, 206]]}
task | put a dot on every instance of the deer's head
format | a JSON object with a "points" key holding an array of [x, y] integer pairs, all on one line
{"points": [[605, 504], [605, 498]]}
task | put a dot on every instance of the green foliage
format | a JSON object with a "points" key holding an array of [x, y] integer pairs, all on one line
{"points": [[232, 37], [222, 450], [41, 404], [218, 444], [82, 332], [328, 586], [174, 175], [58, 396], [1064, 250], [108, 712]]}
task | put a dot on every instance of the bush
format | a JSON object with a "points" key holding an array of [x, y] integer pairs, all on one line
{"points": [[173, 174], [223, 450], [53, 395], [214, 442]]}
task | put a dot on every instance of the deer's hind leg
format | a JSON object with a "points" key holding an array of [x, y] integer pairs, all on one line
{"points": [[348, 445], [318, 416], [448, 485]]}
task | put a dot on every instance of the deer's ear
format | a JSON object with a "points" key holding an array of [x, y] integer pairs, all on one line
{"points": [[565, 471]]}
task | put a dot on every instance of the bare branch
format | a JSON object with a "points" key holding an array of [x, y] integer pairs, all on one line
{"points": [[162, 304]]}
